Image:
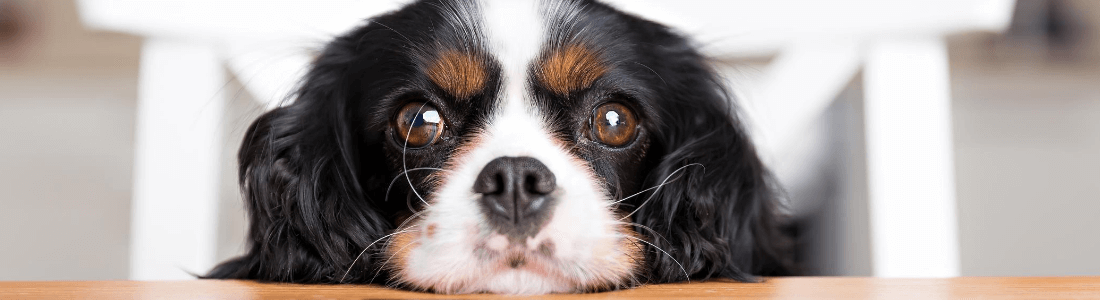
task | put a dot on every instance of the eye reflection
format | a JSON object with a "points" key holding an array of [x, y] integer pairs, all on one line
{"points": [[614, 125], [430, 116], [612, 118], [417, 124]]}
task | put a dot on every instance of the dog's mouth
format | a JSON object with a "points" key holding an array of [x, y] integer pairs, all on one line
{"points": [[477, 259], [516, 255], [515, 258]]}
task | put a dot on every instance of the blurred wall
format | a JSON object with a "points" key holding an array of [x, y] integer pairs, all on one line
{"points": [[67, 103], [67, 113], [1027, 162], [1026, 116], [1027, 142]]}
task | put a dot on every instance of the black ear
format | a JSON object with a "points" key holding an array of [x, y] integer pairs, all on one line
{"points": [[302, 184], [718, 216]]}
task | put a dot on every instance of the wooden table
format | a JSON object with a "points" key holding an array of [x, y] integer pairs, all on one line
{"points": [[775, 288]]}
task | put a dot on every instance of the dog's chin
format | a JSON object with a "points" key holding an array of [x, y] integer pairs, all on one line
{"points": [[469, 257], [500, 276], [524, 282], [522, 269], [530, 269]]}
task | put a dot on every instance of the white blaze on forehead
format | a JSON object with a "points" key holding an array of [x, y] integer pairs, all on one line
{"points": [[514, 30]]}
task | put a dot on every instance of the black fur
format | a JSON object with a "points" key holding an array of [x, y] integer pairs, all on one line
{"points": [[315, 172]]}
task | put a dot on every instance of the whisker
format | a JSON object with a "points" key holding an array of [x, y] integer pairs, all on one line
{"points": [[409, 219], [633, 279], [394, 31], [402, 226], [686, 276], [654, 72], [655, 233], [666, 181], [365, 251], [383, 265], [657, 188], [404, 147], [395, 178], [409, 203]]}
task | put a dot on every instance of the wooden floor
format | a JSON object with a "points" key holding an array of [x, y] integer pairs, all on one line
{"points": [[776, 288]]}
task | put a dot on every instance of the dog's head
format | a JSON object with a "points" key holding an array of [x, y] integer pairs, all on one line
{"points": [[506, 146]]}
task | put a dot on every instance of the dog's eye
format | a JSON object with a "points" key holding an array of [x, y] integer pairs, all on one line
{"points": [[418, 124], [614, 124]]}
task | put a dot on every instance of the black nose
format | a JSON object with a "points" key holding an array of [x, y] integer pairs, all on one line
{"points": [[516, 195]]}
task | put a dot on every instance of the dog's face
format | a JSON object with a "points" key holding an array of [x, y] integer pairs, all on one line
{"points": [[509, 147], [536, 128]]}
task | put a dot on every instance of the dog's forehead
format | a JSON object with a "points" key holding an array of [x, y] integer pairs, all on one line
{"points": [[524, 41]]}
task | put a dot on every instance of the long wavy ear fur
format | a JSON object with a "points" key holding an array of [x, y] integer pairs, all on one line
{"points": [[718, 217], [309, 213]]}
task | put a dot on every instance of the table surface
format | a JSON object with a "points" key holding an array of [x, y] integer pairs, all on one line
{"points": [[774, 288]]}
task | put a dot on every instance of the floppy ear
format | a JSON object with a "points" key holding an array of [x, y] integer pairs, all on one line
{"points": [[308, 209], [718, 215]]}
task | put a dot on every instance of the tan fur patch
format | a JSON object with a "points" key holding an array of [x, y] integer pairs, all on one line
{"points": [[460, 74], [633, 255], [398, 252], [569, 69]]}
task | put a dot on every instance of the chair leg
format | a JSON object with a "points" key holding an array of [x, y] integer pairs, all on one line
{"points": [[180, 108], [910, 161]]}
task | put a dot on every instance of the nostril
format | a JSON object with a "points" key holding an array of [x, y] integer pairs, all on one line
{"points": [[539, 180], [490, 181], [542, 184], [530, 184], [538, 185]]}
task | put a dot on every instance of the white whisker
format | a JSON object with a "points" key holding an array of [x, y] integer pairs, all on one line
{"points": [[395, 178], [655, 233], [404, 164], [409, 219], [383, 265], [686, 276], [368, 247], [658, 187]]}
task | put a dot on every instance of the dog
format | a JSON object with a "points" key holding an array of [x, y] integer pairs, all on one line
{"points": [[507, 146]]}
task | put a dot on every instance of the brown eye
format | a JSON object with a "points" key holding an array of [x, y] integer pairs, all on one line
{"points": [[418, 124], [614, 124]]}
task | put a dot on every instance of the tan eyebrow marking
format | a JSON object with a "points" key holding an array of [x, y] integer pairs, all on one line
{"points": [[460, 74], [571, 68]]}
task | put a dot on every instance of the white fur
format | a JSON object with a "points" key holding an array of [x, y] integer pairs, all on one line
{"points": [[460, 256]]}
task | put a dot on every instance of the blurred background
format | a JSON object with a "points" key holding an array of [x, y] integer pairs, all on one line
{"points": [[95, 182]]}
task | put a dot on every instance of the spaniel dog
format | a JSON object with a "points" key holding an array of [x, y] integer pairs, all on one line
{"points": [[507, 146]]}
